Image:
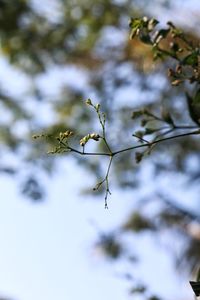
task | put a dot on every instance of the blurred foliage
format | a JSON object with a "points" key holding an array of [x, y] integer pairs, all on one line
{"points": [[90, 39], [109, 245], [136, 222]]}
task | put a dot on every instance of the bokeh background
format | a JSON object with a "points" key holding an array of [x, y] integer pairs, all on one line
{"points": [[57, 240]]}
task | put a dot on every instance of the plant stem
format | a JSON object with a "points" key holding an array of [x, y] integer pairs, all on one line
{"points": [[157, 141]]}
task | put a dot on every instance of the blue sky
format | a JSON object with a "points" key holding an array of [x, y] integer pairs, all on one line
{"points": [[46, 249]]}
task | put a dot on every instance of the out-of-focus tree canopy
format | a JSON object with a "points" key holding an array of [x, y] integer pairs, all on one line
{"points": [[90, 41]]}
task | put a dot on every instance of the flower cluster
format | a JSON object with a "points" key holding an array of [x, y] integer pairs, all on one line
{"points": [[90, 136]]}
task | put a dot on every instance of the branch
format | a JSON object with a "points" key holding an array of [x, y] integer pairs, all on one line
{"points": [[157, 141], [88, 153], [106, 179]]}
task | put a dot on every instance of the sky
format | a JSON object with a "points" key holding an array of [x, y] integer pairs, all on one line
{"points": [[46, 249]]}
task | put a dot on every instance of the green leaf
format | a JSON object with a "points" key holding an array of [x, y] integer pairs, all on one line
{"points": [[191, 59], [166, 116], [133, 33], [135, 25], [194, 107]]}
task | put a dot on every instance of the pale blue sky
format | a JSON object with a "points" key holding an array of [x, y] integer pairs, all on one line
{"points": [[46, 249]]}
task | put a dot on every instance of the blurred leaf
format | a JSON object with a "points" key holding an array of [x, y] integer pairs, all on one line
{"points": [[166, 116], [110, 246], [140, 289], [32, 189], [137, 222], [191, 59], [194, 107]]}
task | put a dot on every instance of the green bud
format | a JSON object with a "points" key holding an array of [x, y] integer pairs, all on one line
{"points": [[176, 82], [61, 135], [97, 107], [67, 134], [89, 136], [94, 136], [88, 101]]}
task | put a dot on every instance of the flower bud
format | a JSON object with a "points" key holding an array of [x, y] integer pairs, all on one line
{"points": [[88, 101]]}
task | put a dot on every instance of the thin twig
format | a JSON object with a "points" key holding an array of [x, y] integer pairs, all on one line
{"points": [[133, 147], [157, 141], [88, 153], [140, 138], [106, 179], [107, 182], [106, 143]]}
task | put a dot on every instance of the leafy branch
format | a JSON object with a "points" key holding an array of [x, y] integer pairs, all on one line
{"points": [[179, 48], [63, 141]]}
